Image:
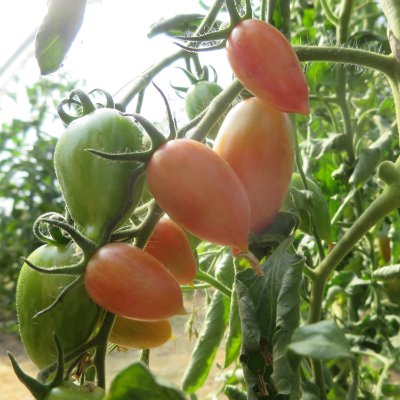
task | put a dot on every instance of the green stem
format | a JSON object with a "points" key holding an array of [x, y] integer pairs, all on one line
{"points": [[204, 277], [145, 357], [263, 8], [388, 65], [139, 102], [354, 384], [146, 229], [216, 109], [144, 79], [329, 14], [339, 212], [270, 12]]}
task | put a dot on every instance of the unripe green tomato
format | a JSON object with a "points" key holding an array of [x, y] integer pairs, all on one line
{"points": [[73, 320], [69, 391], [97, 190], [198, 97], [321, 209]]}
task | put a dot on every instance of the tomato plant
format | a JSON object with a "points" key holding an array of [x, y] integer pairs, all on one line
{"points": [[95, 190], [134, 334], [256, 141], [73, 320], [169, 245], [266, 64], [68, 391], [181, 176], [129, 282]]}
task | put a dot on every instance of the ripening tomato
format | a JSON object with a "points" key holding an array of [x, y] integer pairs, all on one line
{"points": [[134, 334], [169, 245], [199, 191], [266, 65], [257, 142], [127, 281], [384, 247]]}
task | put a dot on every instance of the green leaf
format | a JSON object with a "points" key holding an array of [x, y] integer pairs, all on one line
{"points": [[57, 32], [234, 393], [366, 164], [387, 273], [137, 382], [269, 308], [203, 355], [322, 341], [310, 391]]}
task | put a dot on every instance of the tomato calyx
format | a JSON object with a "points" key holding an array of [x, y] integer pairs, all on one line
{"points": [[193, 80], [221, 35], [40, 390], [156, 136]]}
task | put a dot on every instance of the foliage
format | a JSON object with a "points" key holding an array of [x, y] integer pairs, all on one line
{"points": [[320, 319], [28, 185]]}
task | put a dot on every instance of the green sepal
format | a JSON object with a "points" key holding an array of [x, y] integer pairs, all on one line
{"points": [[109, 99], [40, 390], [88, 246], [76, 269], [77, 282]]}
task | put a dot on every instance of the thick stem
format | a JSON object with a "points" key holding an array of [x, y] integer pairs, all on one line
{"points": [[342, 55], [216, 109]]}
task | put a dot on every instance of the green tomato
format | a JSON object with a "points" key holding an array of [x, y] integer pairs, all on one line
{"points": [[198, 97], [98, 191], [392, 288], [73, 320], [69, 391], [321, 209]]}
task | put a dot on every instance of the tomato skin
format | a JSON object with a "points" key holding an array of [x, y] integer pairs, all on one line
{"points": [[134, 334], [73, 320], [384, 248], [257, 142], [96, 189], [69, 391], [198, 97], [199, 191], [266, 65], [127, 281], [169, 245]]}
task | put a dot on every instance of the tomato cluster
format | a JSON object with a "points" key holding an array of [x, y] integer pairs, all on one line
{"points": [[132, 265]]}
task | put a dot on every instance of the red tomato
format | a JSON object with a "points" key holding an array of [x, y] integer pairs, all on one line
{"points": [[169, 245], [199, 191], [127, 281], [257, 142], [135, 334], [266, 64]]}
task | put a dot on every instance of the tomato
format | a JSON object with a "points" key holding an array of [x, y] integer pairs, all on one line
{"points": [[73, 320], [127, 281], [384, 248], [96, 190], [198, 97], [199, 191], [321, 209], [135, 334], [266, 65], [169, 245], [69, 391], [257, 142]]}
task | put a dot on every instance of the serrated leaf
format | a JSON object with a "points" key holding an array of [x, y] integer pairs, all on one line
{"points": [[265, 302], [137, 382], [57, 32]]}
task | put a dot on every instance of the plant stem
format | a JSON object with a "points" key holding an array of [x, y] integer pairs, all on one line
{"points": [[144, 79], [204, 277], [342, 55], [145, 357], [216, 109], [329, 14]]}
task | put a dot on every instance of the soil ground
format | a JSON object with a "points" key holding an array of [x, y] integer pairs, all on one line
{"points": [[169, 360]]}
